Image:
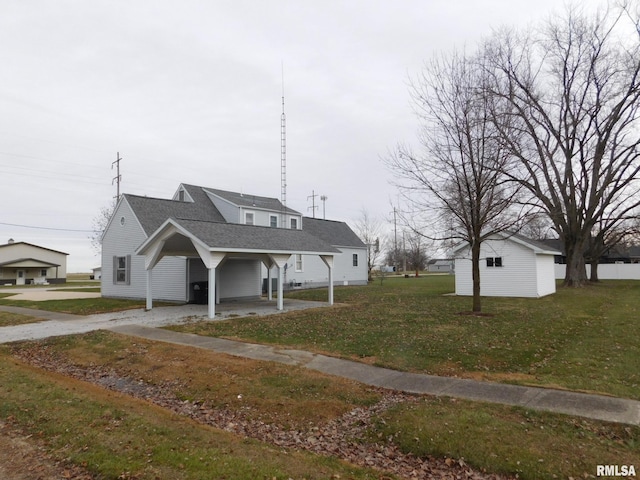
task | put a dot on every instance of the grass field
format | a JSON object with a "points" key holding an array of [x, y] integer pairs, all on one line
{"points": [[580, 339]]}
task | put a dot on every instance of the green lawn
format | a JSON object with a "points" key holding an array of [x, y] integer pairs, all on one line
{"points": [[583, 339], [579, 339]]}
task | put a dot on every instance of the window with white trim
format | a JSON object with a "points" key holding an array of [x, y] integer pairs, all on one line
{"points": [[122, 270], [294, 224], [43, 272], [248, 218], [298, 262], [273, 221], [355, 259]]}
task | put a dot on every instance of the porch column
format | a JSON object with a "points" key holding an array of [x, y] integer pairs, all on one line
{"points": [[212, 292], [149, 288], [328, 261], [280, 261], [269, 286]]}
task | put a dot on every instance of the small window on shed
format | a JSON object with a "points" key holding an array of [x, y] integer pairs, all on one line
{"points": [[494, 261]]}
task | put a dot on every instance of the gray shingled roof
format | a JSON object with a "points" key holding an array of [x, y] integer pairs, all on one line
{"points": [[153, 212], [332, 232], [245, 200], [249, 237]]}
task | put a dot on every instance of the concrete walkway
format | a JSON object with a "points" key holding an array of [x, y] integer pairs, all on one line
{"points": [[144, 324], [598, 407]]}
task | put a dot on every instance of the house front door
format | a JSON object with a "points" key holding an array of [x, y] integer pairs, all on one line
{"points": [[20, 277]]}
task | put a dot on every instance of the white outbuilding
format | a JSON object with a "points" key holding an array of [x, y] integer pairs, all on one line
{"points": [[511, 265]]}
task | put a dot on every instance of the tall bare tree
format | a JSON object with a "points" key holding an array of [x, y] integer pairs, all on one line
{"points": [[572, 91], [369, 230], [456, 184]]}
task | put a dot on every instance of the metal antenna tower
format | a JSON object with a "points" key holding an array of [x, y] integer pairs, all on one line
{"points": [[283, 159]]}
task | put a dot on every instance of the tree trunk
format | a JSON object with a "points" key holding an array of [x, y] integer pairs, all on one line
{"points": [[475, 275], [576, 273], [594, 271]]}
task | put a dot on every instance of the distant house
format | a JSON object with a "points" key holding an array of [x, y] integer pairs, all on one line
{"points": [[207, 245], [23, 263], [510, 266], [440, 265]]}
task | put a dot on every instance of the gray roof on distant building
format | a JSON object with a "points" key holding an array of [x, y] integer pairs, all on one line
{"points": [[332, 232], [249, 237]]}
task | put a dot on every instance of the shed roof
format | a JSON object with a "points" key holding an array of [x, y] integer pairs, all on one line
{"points": [[538, 247]]}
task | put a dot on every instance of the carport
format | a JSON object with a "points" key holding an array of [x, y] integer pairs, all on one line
{"points": [[216, 243]]}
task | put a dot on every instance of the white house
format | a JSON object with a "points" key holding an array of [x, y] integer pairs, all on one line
{"points": [[510, 266], [24, 263], [210, 245]]}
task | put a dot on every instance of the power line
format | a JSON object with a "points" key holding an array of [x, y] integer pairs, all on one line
{"points": [[48, 228]]}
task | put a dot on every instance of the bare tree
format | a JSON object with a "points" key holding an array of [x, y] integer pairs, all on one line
{"points": [[416, 252], [457, 184], [572, 91], [369, 230], [99, 223]]}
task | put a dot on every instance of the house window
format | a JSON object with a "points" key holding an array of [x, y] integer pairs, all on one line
{"points": [[181, 195], [355, 259], [494, 261], [43, 272], [122, 270], [294, 224], [273, 221], [248, 218], [298, 262]]}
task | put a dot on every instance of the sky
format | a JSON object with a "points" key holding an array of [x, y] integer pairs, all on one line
{"points": [[190, 91]]}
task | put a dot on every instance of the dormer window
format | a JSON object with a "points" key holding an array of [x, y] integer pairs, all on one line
{"points": [[181, 195], [273, 221], [294, 224], [248, 218]]}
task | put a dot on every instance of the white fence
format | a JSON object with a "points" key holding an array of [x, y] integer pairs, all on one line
{"points": [[608, 271]]}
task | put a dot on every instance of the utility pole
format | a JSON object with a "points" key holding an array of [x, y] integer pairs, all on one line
{"points": [[118, 178], [313, 202], [324, 200]]}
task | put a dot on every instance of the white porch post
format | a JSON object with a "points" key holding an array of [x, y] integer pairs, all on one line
{"points": [[269, 286], [280, 287], [280, 261], [212, 292], [149, 288], [211, 260], [328, 261]]}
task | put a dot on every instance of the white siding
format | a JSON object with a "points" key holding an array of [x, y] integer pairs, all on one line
{"points": [[237, 278], [122, 238], [523, 274], [546, 275], [229, 211], [315, 272]]}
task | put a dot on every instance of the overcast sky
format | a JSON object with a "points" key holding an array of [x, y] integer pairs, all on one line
{"points": [[190, 91]]}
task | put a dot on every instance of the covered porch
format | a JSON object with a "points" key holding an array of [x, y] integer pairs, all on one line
{"points": [[217, 243]]}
